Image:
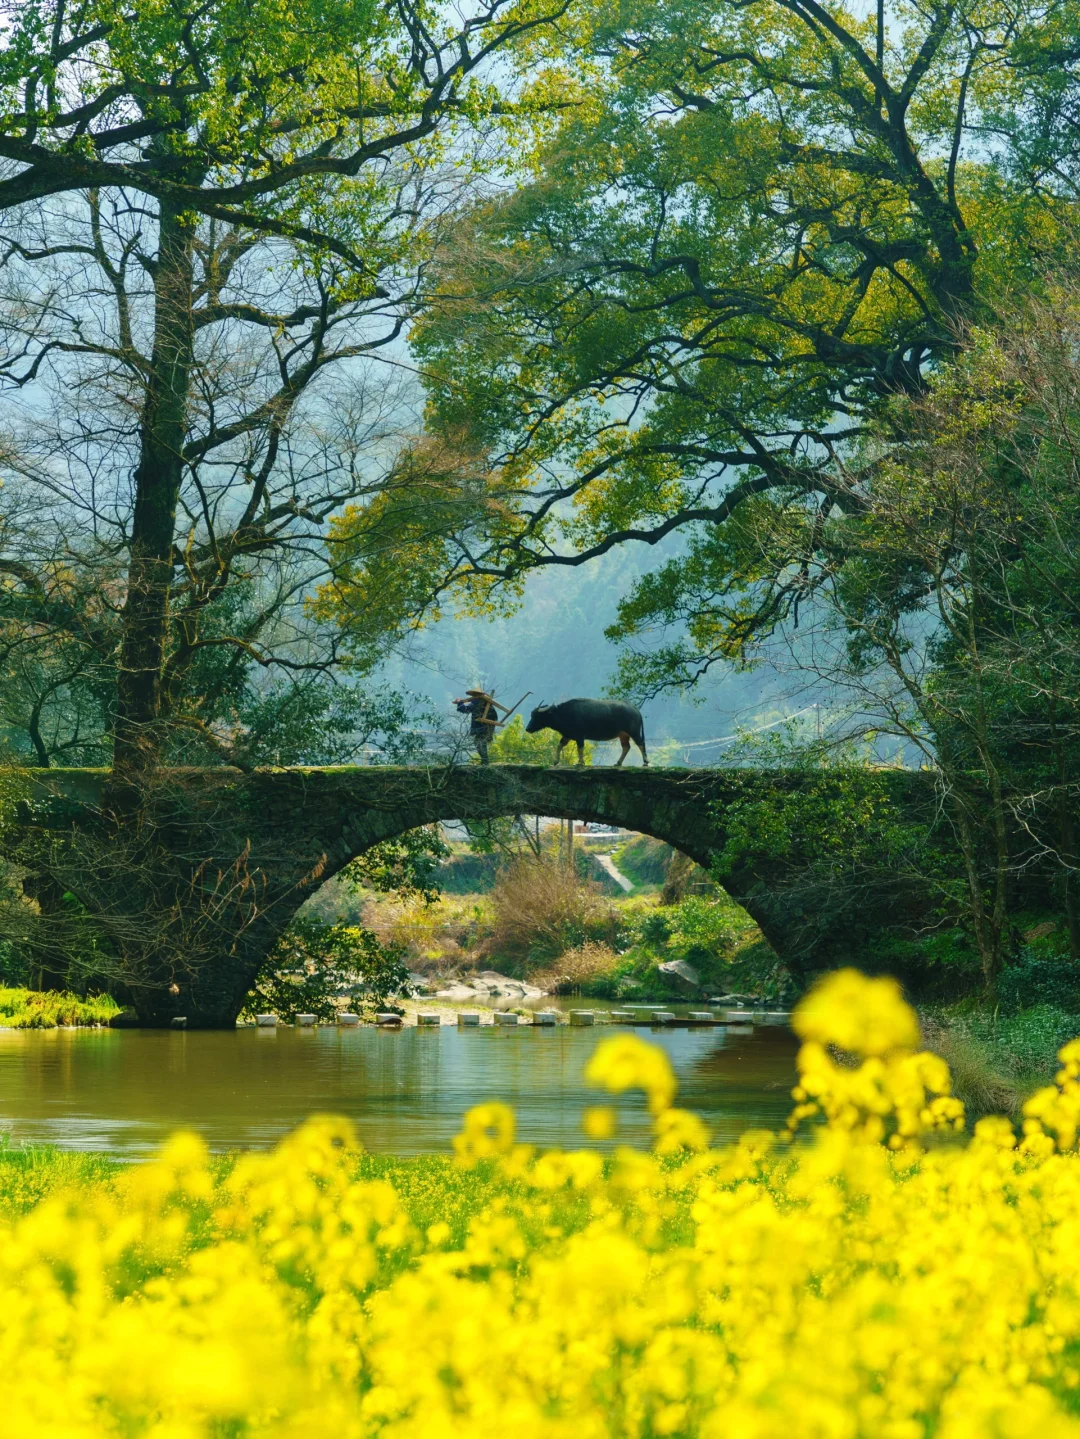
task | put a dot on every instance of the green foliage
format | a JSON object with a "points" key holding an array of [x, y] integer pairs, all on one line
{"points": [[432, 1187], [299, 719], [468, 874], [949, 603], [1034, 981], [710, 932], [829, 819], [1034, 1036], [36, 1009], [819, 809], [254, 107], [314, 964], [60, 944], [1006, 1055], [752, 180], [512, 745], [704, 930], [31, 1172], [853, 859], [644, 860], [407, 866]]}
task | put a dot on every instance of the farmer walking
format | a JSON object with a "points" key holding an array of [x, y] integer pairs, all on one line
{"points": [[484, 712]]}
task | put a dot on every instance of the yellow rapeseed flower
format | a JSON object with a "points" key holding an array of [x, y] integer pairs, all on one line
{"points": [[866, 1281]]}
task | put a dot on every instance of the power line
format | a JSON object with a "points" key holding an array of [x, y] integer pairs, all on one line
{"points": [[728, 738]]}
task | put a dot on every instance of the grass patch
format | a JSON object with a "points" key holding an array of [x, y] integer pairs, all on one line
{"points": [[31, 1172], [431, 1187], [39, 1009], [998, 1060]]}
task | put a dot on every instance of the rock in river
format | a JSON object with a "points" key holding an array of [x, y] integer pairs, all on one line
{"points": [[683, 975], [491, 988]]}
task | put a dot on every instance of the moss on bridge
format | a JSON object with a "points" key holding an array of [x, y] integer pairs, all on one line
{"points": [[227, 858]]}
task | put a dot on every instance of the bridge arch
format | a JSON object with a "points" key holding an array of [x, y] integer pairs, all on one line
{"points": [[306, 826], [374, 805], [277, 835]]}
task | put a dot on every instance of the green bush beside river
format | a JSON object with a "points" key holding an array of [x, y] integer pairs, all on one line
{"points": [[38, 1009]]}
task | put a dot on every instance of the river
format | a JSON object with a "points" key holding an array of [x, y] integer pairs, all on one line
{"points": [[124, 1091]]}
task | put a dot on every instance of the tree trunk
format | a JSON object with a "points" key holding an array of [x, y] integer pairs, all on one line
{"points": [[987, 936], [138, 736], [678, 876], [1066, 831]]}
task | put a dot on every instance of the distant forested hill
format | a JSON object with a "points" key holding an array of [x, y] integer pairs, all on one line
{"points": [[555, 646]]}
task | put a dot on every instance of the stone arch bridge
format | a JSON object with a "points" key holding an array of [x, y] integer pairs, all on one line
{"points": [[196, 879]]}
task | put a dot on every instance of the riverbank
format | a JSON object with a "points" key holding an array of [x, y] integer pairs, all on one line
{"points": [[48, 1009], [998, 1059], [431, 1187]]}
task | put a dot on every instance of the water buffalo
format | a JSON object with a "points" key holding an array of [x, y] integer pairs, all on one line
{"points": [[579, 720]]}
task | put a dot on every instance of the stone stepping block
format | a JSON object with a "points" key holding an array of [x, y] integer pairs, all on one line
{"points": [[425, 1019], [546, 1016], [502, 1017], [388, 1020], [662, 1016], [305, 1021], [700, 1016], [468, 1019], [266, 1021], [620, 1016], [348, 1018], [582, 1016]]}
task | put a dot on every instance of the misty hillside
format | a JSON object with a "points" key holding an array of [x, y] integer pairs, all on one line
{"points": [[555, 647]]}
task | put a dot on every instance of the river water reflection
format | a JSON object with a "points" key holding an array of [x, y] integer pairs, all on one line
{"points": [[125, 1091]]}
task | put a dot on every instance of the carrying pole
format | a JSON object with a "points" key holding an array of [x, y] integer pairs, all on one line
{"points": [[508, 713]]}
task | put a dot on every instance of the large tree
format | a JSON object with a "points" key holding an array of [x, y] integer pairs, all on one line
{"points": [[758, 221], [215, 219], [946, 606], [259, 177]]}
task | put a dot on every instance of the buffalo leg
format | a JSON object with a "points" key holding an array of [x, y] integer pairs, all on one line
{"points": [[624, 740], [580, 751], [559, 747], [641, 746]]}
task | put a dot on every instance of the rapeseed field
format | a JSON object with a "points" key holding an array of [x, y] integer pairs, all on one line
{"points": [[873, 1271]]}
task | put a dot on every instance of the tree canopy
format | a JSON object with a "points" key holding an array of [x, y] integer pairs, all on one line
{"points": [[209, 208], [755, 223]]}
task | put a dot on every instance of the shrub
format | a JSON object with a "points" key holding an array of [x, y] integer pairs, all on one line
{"points": [[655, 928], [442, 936], [580, 971], [712, 933], [45, 1009], [1036, 980], [999, 1059], [644, 860], [705, 929], [541, 909], [313, 964], [984, 1077]]}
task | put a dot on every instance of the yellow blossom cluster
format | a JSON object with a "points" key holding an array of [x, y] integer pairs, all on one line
{"points": [[876, 1273], [891, 1091]]}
